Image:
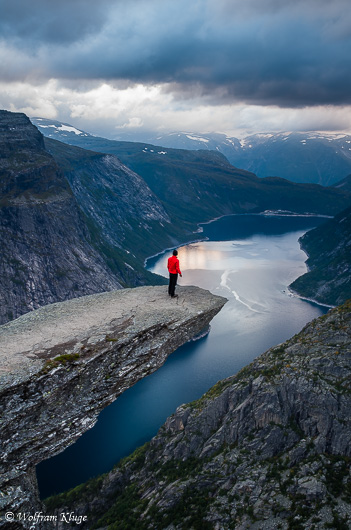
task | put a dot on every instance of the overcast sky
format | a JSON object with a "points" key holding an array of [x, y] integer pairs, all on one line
{"points": [[233, 66]]}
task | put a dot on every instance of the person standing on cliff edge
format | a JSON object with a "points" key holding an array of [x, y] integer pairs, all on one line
{"points": [[174, 270]]}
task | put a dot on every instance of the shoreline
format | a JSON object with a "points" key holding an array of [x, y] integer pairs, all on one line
{"points": [[297, 295], [265, 213], [172, 248]]}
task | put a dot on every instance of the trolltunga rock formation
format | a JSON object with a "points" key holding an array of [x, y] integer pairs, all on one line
{"points": [[62, 364]]}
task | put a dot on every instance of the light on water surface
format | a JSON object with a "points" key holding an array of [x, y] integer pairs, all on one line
{"points": [[252, 266]]}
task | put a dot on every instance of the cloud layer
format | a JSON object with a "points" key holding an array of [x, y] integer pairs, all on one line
{"points": [[214, 53]]}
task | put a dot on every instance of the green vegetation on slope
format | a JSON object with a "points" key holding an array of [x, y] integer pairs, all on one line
{"points": [[329, 260]]}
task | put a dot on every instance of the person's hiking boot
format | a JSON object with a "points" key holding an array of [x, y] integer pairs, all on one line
{"points": [[174, 296]]}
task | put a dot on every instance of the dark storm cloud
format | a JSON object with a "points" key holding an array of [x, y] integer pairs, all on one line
{"points": [[34, 22], [274, 52]]}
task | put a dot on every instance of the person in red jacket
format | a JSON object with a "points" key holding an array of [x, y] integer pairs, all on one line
{"points": [[174, 270]]}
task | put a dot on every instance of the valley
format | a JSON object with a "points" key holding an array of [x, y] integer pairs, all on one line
{"points": [[121, 210]]}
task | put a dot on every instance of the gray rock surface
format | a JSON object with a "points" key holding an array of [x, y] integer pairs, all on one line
{"points": [[62, 364], [268, 448]]}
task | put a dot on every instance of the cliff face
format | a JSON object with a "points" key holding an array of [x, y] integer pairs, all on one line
{"points": [[329, 261], [47, 254], [267, 448], [57, 245], [116, 200], [62, 364]]}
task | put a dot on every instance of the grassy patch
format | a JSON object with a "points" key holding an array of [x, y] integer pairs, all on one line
{"points": [[62, 360]]}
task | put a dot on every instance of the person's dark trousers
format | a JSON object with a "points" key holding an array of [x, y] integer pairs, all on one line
{"points": [[172, 283]]}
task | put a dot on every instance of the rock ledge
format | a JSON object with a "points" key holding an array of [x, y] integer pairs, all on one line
{"points": [[62, 364]]}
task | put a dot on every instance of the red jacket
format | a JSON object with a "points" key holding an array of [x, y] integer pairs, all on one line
{"points": [[173, 265]]}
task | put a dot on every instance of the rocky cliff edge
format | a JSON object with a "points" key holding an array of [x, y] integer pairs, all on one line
{"points": [[62, 364]]}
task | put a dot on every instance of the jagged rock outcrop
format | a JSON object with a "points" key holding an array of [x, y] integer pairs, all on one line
{"points": [[329, 261], [63, 363], [267, 448]]}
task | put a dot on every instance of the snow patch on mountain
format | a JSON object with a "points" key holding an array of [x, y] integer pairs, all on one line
{"points": [[197, 138], [70, 129], [57, 127]]}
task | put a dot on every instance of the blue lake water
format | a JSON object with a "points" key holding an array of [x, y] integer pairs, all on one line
{"points": [[249, 259]]}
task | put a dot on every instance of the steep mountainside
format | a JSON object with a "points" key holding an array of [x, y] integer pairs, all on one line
{"points": [[300, 157], [268, 448], [46, 250], [51, 251], [197, 186], [314, 157], [118, 202], [329, 261]]}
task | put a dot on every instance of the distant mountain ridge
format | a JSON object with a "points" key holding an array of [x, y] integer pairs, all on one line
{"points": [[300, 157], [202, 184], [315, 157]]}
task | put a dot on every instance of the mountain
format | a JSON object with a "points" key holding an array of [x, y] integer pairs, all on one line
{"points": [[228, 146], [123, 209], [53, 248], [266, 448], [329, 261], [196, 186], [315, 157], [300, 157]]}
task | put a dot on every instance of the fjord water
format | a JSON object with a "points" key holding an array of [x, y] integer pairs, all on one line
{"points": [[249, 259]]}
